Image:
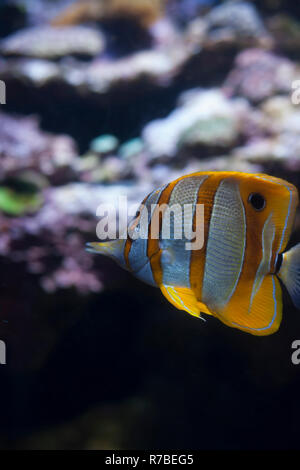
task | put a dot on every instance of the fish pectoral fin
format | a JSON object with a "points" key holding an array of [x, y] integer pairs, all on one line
{"points": [[184, 298], [262, 316]]}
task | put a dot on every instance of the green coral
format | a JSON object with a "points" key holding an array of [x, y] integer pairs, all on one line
{"points": [[16, 203]]}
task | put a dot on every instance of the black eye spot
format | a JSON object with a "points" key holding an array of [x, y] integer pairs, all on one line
{"points": [[257, 201]]}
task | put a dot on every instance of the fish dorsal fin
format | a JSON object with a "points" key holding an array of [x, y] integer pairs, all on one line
{"points": [[264, 316], [184, 298]]}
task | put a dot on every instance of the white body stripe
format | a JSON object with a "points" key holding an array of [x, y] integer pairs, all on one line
{"points": [[138, 251], [175, 259], [289, 208], [225, 246], [267, 236]]}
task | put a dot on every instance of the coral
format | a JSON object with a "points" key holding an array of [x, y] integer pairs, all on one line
{"points": [[104, 144], [144, 12], [259, 74], [280, 146], [23, 146], [204, 119], [192, 54], [216, 131], [34, 212], [17, 203], [240, 20], [286, 32], [137, 72], [184, 11], [48, 42], [131, 148]]}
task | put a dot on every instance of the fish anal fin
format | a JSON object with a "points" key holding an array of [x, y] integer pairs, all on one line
{"points": [[184, 298]]}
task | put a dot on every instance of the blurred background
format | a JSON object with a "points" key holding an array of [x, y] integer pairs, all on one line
{"points": [[117, 97]]}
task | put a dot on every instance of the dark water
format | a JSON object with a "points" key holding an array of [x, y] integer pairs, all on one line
{"points": [[186, 384]]}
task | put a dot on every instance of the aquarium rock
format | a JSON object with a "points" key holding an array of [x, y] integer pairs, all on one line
{"points": [[203, 119], [259, 74], [237, 20], [23, 146], [48, 42]]}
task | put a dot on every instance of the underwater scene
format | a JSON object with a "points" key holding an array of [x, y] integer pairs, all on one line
{"points": [[124, 324]]}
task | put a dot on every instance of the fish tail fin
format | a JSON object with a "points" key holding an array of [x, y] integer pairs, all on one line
{"points": [[289, 273], [111, 248]]}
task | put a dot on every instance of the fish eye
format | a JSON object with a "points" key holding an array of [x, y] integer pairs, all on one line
{"points": [[257, 201], [137, 214]]}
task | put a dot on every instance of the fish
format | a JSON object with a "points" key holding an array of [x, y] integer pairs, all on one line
{"points": [[236, 273]]}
